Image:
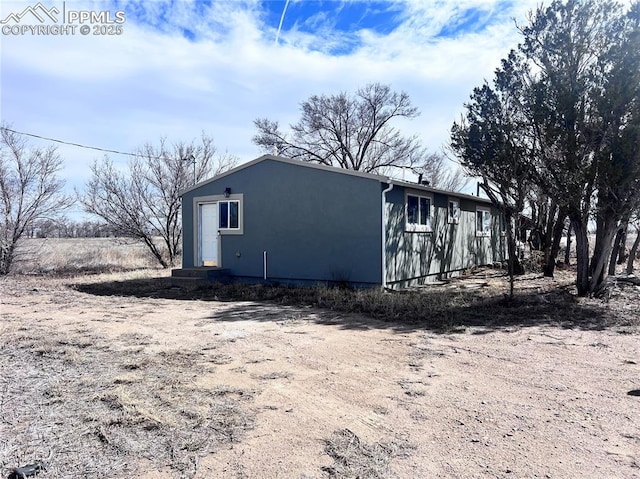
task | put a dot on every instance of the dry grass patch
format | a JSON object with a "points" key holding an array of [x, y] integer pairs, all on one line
{"points": [[64, 256], [353, 458], [477, 299], [101, 408], [275, 375]]}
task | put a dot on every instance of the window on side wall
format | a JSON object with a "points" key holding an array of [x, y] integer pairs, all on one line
{"points": [[418, 213], [483, 221], [453, 216], [228, 215]]}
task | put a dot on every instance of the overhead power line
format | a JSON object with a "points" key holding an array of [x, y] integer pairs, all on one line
{"points": [[106, 150]]}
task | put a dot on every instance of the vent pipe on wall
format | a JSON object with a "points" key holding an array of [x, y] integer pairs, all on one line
{"points": [[264, 265]]}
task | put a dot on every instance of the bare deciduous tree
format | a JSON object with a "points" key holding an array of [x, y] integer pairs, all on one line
{"points": [[30, 190], [434, 168], [143, 200], [351, 132]]}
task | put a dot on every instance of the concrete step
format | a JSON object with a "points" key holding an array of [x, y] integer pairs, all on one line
{"points": [[205, 273]]}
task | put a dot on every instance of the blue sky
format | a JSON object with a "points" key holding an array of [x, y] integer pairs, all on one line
{"points": [[182, 67]]}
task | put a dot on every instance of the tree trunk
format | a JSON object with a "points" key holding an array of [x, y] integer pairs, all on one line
{"points": [[558, 227], [633, 253], [618, 248], [8, 244], [513, 262], [567, 251], [7, 255], [582, 255], [622, 257], [601, 257], [601, 227], [157, 254], [548, 239]]}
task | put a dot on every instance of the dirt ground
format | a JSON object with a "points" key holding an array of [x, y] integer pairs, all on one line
{"points": [[110, 386]]}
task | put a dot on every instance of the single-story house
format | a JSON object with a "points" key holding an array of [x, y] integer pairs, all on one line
{"points": [[281, 220]]}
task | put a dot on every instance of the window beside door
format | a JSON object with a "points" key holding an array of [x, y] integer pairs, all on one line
{"points": [[229, 217]]}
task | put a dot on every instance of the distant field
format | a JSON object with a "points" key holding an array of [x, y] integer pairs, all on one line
{"points": [[101, 255], [74, 255]]}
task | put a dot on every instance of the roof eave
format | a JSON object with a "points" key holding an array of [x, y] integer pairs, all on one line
{"points": [[333, 169], [431, 189], [290, 161]]}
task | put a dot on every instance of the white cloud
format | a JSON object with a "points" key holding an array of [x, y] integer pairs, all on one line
{"points": [[121, 91]]}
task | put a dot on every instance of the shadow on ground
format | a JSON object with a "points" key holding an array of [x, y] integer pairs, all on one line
{"points": [[430, 309]]}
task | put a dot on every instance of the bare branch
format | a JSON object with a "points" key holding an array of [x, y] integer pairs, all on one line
{"points": [[351, 132], [142, 201], [30, 190]]}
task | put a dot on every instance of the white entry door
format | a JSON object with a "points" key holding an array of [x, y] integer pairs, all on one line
{"points": [[208, 234]]}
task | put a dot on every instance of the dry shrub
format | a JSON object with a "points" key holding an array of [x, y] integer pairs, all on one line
{"points": [[534, 262], [353, 458], [477, 299], [101, 408]]}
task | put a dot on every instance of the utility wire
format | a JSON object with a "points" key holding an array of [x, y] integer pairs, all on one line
{"points": [[72, 144]]}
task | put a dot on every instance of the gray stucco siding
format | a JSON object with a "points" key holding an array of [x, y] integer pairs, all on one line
{"points": [[315, 225], [418, 257]]}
